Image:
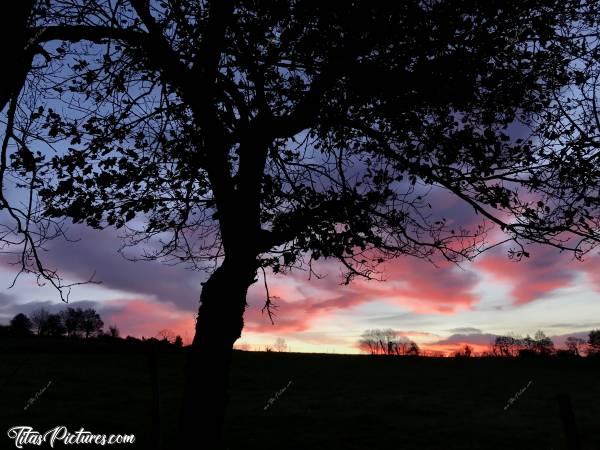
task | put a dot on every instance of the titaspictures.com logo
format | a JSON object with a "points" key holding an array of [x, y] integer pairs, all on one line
{"points": [[25, 435]]}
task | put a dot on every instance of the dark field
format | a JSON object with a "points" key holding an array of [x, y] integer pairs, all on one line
{"points": [[333, 402]]}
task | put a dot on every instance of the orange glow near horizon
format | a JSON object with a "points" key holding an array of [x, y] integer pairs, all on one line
{"points": [[323, 316], [139, 318]]}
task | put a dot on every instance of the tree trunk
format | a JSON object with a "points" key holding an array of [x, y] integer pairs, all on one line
{"points": [[219, 325], [17, 50]]}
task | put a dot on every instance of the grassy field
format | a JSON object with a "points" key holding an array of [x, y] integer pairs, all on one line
{"points": [[333, 401]]}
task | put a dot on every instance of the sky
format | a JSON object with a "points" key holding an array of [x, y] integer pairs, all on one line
{"points": [[441, 308]]}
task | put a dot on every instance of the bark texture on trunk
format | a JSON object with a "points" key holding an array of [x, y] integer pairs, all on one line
{"points": [[219, 325]]}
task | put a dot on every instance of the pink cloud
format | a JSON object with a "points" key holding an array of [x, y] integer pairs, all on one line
{"points": [[418, 285], [143, 318], [410, 283], [301, 313], [479, 342], [544, 272], [591, 267]]}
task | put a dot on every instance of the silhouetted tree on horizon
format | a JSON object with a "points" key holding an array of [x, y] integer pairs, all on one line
{"points": [[594, 342], [413, 349], [268, 135], [280, 345], [166, 335], [39, 317], [514, 345], [575, 345], [91, 323], [178, 342], [73, 321], [387, 342], [20, 325], [504, 346], [54, 326], [465, 352], [543, 345], [113, 331]]}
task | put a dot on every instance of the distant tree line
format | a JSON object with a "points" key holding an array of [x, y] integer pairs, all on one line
{"points": [[387, 342], [71, 322], [542, 345], [167, 336], [464, 352], [75, 323], [280, 345], [390, 342]]}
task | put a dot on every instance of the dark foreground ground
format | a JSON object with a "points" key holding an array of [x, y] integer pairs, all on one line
{"points": [[333, 401]]}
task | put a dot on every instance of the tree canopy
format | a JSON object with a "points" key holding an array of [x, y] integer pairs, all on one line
{"points": [[264, 134], [320, 128], [20, 325]]}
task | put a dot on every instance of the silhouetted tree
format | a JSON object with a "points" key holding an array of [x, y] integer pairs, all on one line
{"points": [[463, 352], [413, 349], [386, 342], [543, 345], [280, 345], [113, 331], [91, 323], [178, 342], [515, 345], [505, 346], [73, 321], [378, 342], [594, 342], [20, 325], [526, 344], [24, 228], [166, 335], [405, 346], [39, 317], [575, 345], [54, 326], [17, 229], [274, 132], [369, 343]]}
